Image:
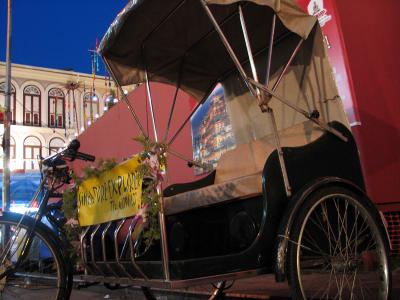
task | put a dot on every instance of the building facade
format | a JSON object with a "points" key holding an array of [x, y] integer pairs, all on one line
{"points": [[50, 107]]}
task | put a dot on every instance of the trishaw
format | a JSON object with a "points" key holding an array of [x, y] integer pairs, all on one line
{"points": [[287, 199]]}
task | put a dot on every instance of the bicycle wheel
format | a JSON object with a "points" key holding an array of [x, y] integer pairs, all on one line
{"points": [[338, 248], [43, 273]]}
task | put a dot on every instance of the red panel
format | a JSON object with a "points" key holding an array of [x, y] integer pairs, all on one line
{"points": [[370, 33], [112, 135], [364, 53]]}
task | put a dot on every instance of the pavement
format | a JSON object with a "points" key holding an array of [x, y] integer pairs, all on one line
{"points": [[261, 287]]}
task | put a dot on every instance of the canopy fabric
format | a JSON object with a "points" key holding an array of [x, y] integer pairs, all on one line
{"points": [[308, 84], [177, 42]]}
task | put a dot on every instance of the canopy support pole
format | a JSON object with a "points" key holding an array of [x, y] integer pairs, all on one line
{"points": [[185, 122], [271, 45], [164, 238], [161, 214], [248, 48], [198, 164], [125, 99], [150, 98], [178, 85], [264, 106], [279, 79], [228, 47]]}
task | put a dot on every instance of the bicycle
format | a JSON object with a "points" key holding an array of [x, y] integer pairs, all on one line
{"points": [[33, 257]]}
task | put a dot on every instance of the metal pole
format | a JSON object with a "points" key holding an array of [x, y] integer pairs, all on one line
{"points": [[186, 120], [287, 65], [125, 99], [6, 135], [150, 98], [270, 112], [164, 238], [278, 148], [271, 45], [228, 47], [178, 85], [248, 46]]}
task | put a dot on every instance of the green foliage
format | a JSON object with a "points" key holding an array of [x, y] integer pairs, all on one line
{"points": [[69, 207], [72, 233], [150, 146], [150, 200]]}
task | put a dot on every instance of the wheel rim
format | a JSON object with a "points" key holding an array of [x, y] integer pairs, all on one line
{"points": [[340, 252], [38, 276]]}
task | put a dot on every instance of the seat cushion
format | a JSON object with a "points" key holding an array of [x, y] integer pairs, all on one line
{"points": [[239, 171], [242, 187]]}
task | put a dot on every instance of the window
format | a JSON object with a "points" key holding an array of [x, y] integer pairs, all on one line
{"points": [[56, 107], [55, 145], [12, 103], [32, 102], [90, 107], [32, 150]]}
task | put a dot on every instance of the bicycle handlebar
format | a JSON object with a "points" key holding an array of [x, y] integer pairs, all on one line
{"points": [[85, 156], [71, 152]]}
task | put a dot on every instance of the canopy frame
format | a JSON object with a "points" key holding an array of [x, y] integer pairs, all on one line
{"points": [[254, 85]]}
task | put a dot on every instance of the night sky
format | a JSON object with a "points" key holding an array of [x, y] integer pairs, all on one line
{"points": [[56, 34]]}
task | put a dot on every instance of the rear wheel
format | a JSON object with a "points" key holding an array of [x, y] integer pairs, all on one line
{"points": [[42, 274], [339, 248]]}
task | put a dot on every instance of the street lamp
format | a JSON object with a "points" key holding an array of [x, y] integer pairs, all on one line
{"points": [[6, 135]]}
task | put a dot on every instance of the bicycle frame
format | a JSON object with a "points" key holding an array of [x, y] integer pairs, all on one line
{"points": [[27, 241], [43, 211]]}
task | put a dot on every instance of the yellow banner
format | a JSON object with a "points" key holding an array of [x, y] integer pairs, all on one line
{"points": [[113, 195]]}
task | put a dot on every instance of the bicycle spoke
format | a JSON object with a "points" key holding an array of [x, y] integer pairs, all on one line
{"points": [[351, 267], [353, 284], [315, 244], [325, 213], [35, 268]]}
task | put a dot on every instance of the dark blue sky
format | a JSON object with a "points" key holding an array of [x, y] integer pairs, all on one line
{"points": [[57, 34]]}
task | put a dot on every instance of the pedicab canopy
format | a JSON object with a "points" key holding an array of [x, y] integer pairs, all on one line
{"points": [[161, 33], [177, 43]]}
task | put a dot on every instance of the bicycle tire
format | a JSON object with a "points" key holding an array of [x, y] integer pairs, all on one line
{"points": [[338, 248], [43, 272]]}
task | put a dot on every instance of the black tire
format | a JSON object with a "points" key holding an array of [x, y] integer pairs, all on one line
{"points": [[43, 274], [339, 248]]}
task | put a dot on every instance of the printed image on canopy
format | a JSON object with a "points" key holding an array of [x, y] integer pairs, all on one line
{"points": [[212, 133]]}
